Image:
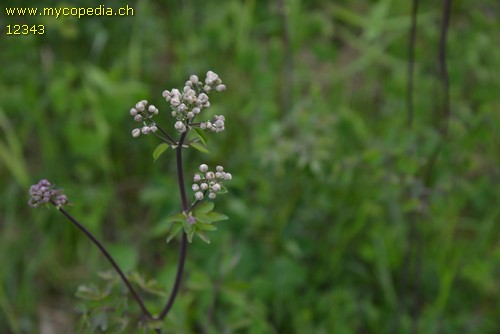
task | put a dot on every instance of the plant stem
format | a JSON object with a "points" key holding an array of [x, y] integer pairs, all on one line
{"points": [[411, 63], [443, 70], [195, 203], [178, 277], [180, 172], [183, 245], [169, 138], [108, 257]]}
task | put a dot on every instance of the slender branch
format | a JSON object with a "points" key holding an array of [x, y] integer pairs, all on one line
{"points": [[180, 172], [195, 203], [183, 245], [165, 133], [108, 256], [417, 278], [286, 92], [443, 70], [413, 233], [166, 140], [178, 277], [411, 62]]}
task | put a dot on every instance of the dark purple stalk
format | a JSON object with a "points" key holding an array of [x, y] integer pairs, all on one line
{"points": [[443, 70], [183, 245], [411, 63], [108, 256], [413, 234], [168, 139]]}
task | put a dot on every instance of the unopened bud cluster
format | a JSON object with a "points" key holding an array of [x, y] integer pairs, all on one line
{"points": [[216, 125], [193, 98], [185, 105], [44, 192], [209, 181], [144, 113]]}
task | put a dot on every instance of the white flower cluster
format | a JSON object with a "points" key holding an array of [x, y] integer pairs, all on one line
{"points": [[143, 113], [193, 98], [209, 182], [216, 125]]}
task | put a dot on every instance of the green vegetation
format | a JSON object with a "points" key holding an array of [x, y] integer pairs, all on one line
{"points": [[343, 218]]}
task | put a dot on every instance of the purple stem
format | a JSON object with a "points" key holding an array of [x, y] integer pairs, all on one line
{"points": [[109, 257], [183, 245]]}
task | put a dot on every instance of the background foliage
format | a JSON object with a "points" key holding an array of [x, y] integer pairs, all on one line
{"points": [[343, 218]]}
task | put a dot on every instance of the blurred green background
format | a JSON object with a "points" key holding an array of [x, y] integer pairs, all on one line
{"points": [[343, 218]]}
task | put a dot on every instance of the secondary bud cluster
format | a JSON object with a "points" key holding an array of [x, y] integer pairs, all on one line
{"points": [[216, 125], [211, 81], [44, 192], [192, 99], [209, 181], [144, 113]]}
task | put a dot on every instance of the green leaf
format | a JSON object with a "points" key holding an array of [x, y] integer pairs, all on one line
{"points": [[150, 286], [178, 217], [199, 147], [154, 288], [204, 208], [216, 216], [202, 135], [206, 227], [108, 275], [165, 224], [203, 236], [210, 217], [176, 228], [203, 218], [190, 233], [91, 292], [223, 190], [159, 150], [137, 278]]}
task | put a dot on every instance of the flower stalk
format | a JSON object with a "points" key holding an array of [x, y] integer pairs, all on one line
{"points": [[108, 256], [184, 241]]}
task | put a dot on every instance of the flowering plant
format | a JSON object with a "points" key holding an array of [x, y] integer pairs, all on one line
{"points": [[197, 215]]}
